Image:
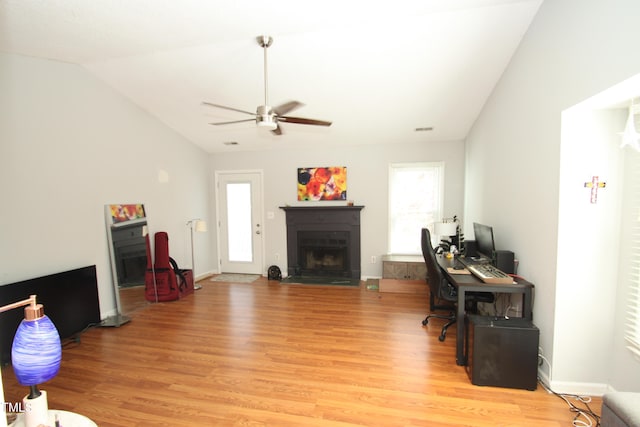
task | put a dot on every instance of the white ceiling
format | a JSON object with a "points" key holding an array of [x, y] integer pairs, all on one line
{"points": [[376, 69]]}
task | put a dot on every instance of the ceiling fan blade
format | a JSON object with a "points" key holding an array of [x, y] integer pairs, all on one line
{"points": [[227, 108], [235, 121], [283, 109], [277, 131], [303, 121]]}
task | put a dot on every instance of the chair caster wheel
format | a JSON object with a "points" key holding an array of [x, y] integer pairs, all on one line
{"points": [[424, 322], [441, 338]]}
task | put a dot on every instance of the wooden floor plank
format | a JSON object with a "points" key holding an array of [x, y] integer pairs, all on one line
{"points": [[267, 354]]}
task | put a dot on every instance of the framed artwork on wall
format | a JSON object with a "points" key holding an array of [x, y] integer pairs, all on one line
{"points": [[127, 212], [322, 183]]}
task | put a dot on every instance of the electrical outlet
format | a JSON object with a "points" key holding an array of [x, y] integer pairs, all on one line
{"points": [[373, 259], [541, 358]]}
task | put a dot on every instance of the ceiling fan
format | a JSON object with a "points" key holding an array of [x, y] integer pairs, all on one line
{"points": [[266, 116]]}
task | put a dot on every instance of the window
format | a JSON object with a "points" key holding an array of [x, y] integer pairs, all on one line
{"points": [[632, 190], [415, 201]]}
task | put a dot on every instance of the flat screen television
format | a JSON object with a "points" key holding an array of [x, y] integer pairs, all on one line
{"points": [[484, 240], [70, 300]]}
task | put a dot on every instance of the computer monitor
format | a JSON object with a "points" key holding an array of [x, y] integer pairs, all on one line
{"points": [[484, 240]]}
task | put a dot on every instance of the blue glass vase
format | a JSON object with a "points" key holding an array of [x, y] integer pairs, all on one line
{"points": [[36, 352]]}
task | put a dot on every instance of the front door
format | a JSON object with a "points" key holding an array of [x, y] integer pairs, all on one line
{"points": [[240, 221]]}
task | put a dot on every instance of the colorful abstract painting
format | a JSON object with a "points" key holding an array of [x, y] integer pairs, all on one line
{"points": [[328, 183], [121, 213]]}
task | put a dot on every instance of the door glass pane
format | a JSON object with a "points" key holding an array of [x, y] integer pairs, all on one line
{"points": [[239, 220]]}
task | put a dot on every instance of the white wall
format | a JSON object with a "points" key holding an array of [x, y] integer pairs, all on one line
{"points": [[588, 247], [69, 145], [573, 50], [367, 180]]}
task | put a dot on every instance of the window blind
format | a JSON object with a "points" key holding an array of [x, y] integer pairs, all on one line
{"points": [[632, 328]]}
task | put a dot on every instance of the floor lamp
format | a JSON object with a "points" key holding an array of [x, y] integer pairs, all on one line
{"points": [[199, 226]]}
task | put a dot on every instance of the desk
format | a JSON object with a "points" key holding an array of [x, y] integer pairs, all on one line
{"points": [[469, 283]]}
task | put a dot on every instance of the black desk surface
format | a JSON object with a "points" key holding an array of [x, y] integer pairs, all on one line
{"points": [[471, 280]]}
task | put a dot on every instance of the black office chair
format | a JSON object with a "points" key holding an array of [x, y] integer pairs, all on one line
{"points": [[443, 292]]}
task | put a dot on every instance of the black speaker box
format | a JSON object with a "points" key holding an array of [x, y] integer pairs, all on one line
{"points": [[502, 352], [505, 261], [470, 248]]}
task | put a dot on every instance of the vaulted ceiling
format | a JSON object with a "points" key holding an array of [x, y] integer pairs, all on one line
{"points": [[377, 70]]}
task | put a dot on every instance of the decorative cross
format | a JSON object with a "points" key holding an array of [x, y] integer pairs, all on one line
{"points": [[594, 185]]}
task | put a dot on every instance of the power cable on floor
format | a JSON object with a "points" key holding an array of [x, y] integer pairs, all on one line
{"points": [[584, 417]]}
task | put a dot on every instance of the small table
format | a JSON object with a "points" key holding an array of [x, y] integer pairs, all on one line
{"points": [[67, 419], [469, 283]]}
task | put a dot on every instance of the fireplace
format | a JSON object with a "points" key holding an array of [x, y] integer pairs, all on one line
{"points": [[323, 241]]}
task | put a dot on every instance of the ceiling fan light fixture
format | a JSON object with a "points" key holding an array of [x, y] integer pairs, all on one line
{"points": [[265, 118], [266, 122], [268, 125]]}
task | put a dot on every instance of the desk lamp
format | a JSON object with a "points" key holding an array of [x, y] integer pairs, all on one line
{"points": [[448, 228], [35, 355]]}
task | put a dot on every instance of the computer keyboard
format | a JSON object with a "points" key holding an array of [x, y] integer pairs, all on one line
{"points": [[489, 274]]}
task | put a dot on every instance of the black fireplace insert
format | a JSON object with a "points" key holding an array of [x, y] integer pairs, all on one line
{"points": [[323, 253]]}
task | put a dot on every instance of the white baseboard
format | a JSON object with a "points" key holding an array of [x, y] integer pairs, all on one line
{"points": [[577, 388], [580, 389], [204, 275]]}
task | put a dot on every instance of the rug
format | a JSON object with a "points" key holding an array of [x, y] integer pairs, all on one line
{"points": [[235, 278], [319, 280]]}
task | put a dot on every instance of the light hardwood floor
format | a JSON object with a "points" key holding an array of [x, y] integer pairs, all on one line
{"points": [[266, 354]]}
